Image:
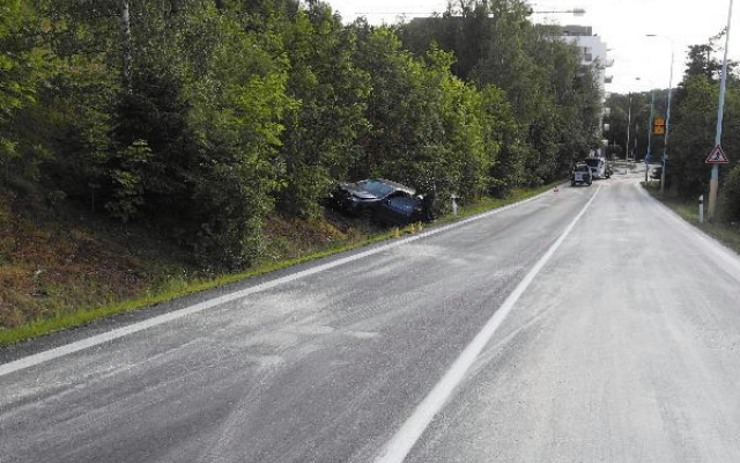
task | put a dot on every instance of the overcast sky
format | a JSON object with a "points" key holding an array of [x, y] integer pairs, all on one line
{"points": [[622, 24]]}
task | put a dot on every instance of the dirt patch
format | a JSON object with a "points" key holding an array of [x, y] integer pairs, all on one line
{"points": [[48, 267], [58, 260]]}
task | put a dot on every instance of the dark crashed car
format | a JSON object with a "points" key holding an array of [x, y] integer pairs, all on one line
{"points": [[380, 200]]}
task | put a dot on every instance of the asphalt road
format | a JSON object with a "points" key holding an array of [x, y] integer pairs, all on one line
{"points": [[589, 324]]}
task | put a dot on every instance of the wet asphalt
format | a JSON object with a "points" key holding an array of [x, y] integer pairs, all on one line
{"points": [[624, 346]]}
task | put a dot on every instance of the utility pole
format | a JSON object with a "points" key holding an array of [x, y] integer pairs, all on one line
{"points": [[629, 123], [648, 154], [668, 113], [714, 180], [667, 125], [637, 137]]}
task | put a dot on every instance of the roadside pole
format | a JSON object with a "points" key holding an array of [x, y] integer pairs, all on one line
{"points": [[648, 153], [629, 122], [714, 180], [667, 125]]}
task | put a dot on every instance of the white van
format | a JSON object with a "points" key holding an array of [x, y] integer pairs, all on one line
{"points": [[599, 167]]}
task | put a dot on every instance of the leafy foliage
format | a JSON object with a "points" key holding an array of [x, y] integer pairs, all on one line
{"points": [[201, 119], [322, 129], [554, 99], [22, 67], [693, 127], [730, 210], [693, 133]]}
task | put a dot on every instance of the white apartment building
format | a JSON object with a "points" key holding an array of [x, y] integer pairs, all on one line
{"points": [[593, 51]]}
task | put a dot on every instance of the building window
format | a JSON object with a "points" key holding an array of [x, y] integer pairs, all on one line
{"points": [[587, 54]]}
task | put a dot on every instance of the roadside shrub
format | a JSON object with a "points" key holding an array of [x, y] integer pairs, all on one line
{"points": [[730, 206]]}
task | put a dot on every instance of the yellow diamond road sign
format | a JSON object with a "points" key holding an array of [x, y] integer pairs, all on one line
{"points": [[717, 156]]}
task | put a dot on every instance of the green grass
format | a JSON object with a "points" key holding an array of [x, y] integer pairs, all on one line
{"points": [[168, 282], [487, 204]]}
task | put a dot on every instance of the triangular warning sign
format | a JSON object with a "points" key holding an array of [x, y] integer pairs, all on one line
{"points": [[717, 156]]}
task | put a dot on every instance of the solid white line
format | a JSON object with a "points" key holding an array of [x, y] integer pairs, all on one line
{"points": [[411, 431], [45, 356]]}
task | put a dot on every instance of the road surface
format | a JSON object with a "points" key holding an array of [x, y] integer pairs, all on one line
{"points": [[588, 324]]}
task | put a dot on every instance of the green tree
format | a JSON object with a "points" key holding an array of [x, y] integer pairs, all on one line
{"points": [[730, 197], [555, 100], [693, 128], [22, 67], [320, 140], [192, 145], [237, 99], [79, 96], [428, 128]]}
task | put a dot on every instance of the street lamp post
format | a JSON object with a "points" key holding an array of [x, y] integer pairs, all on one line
{"points": [[648, 154], [714, 180], [648, 151], [668, 113], [629, 124]]}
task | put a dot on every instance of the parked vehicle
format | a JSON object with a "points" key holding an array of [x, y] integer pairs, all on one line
{"points": [[656, 172], [378, 199], [600, 167], [581, 173]]}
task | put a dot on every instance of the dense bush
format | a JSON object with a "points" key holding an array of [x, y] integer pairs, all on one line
{"points": [[730, 199], [693, 129], [200, 118]]}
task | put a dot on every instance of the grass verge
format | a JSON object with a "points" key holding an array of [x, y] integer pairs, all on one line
{"points": [[726, 233], [170, 280]]}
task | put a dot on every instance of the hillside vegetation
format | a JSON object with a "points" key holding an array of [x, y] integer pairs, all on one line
{"points": [[143, 138], [53, 262], [67, 266], [692, 131]]}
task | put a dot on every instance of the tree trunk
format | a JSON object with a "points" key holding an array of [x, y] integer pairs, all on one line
{"points": [[127, 46]]}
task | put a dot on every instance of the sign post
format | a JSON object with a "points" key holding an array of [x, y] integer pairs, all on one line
{"points": [[717, 151], [648, 160]]}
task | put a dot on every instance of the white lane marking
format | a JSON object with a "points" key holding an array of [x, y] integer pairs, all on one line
{"points": [[396, 450], [93, 341]]}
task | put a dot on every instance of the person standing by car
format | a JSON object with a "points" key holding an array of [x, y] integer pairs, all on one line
{"points": [[428, 203]]}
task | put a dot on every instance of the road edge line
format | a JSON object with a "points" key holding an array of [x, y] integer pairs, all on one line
{"points": [[86, 343], [399, 446]]}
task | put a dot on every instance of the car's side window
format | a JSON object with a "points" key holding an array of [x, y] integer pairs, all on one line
{"points": [[401, 202]]}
